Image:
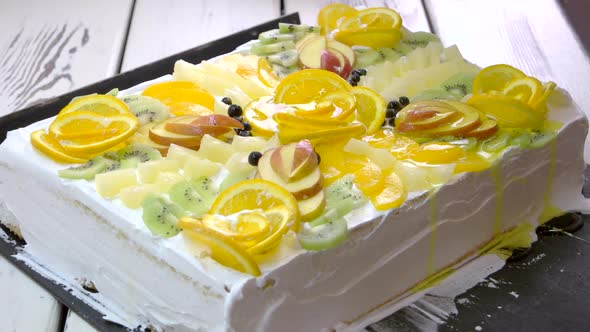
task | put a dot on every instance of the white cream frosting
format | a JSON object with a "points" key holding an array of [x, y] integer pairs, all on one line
{"points": [[73, 233]]}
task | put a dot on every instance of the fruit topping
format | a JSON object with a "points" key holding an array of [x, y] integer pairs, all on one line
{"points": [[254, 157], [85, 171], [307, 85], [370, 108], [51, 147], [194, 196], [110, 184], [161, 216], [146, 109], [324, 236]]}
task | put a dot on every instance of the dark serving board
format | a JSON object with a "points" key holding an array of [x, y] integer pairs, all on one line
{"points": [[547, 290]]}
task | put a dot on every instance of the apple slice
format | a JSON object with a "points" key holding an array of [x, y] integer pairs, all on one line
{"points": [[433, 120], [303, 188], [218, 120], [281, 159], [188, 125], [342, 48], [487, 128], [310, 54], [312, 207], [469, 121], [294, 161], [160, 135], [331, 62]]}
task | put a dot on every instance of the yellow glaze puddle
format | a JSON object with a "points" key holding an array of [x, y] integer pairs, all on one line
{"points": [[503, 245]]}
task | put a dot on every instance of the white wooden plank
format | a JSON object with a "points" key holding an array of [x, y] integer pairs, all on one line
{"points": [[24, 305], [76, 324], [50, 47], [412, 11], [532, 35], [162, 28]]}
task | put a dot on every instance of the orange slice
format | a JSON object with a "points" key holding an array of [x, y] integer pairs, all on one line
{"points": [[249, 226], [279, 220], [508, 112], [222, 248], [525, 89], [256, 194], [373, 18], [99, 104], [184, 108], [495, 78], [259, 113], [331, 15], [331, 135], [84, 133], [337, 105], [437, 153], [374, 38], [369, 179], [370, 108], [52, 149], [307, 85], [392, 195], [180, 91]]}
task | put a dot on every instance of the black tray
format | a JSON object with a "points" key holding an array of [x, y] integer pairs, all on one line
{"points": [[552, 283]]}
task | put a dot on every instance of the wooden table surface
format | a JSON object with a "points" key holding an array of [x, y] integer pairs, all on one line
{"points": [[50, 47]]}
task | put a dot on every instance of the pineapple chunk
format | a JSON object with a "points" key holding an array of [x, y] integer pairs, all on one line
{"points": [[132, 197], [248, 144], [109, 185], [196, 167], [167, 179], [180, 153], [215, 150], [148, 171], [238, 162]]}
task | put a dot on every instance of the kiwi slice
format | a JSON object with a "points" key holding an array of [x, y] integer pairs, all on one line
{"points": [[418, 39], [521, 138], [435, 94], [86, 171], [282, 71], [540, 138], [286, 59], [113, 92], [234, 178], [161, 216], [325, 236], [273, 36], [193, 196], [267, 49], [136, 153], [388, 54], [402, 48], [467, 143], [460, 84], [496, 143], [364, 57], [290, 28], [342, 196], [146, 109]]}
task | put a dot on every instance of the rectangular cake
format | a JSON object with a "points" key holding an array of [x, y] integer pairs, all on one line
{"points": [[317, 179]]}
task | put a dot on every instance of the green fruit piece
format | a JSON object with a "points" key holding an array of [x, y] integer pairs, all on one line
{"points": [[419, 39], [365, 57], [496, 143], [113, 92], [435, 94], [290, 28], [146, 109], [460, 84], [402, 48], [541, 138], [273, 36], [282, 71], [286, 59], [267, 49], [521, 138], [325, 236], [136, 153], [342, 196], [467, 143], [195, 196], [85, 171], [234, 178], [161, 216], [388, 54], [327, 215]]}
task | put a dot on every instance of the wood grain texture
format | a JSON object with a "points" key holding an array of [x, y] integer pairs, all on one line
{"points": [[24, 305], [76, 324], [162, 28], [49, 48], [532, 35], [412, 11]]}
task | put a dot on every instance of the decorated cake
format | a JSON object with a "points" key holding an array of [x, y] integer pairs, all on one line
{"points": [[318, 178]]}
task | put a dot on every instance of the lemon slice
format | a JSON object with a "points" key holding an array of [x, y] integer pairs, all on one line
{"points": [[525, 89], [508, 112], [495, 78], [373, 18], [84, 133], [374, 38], [370, 108], [52, 149], [99, 104], [222, 248], [331, 15], [248, 226], [256, 194], [307, 85]]}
